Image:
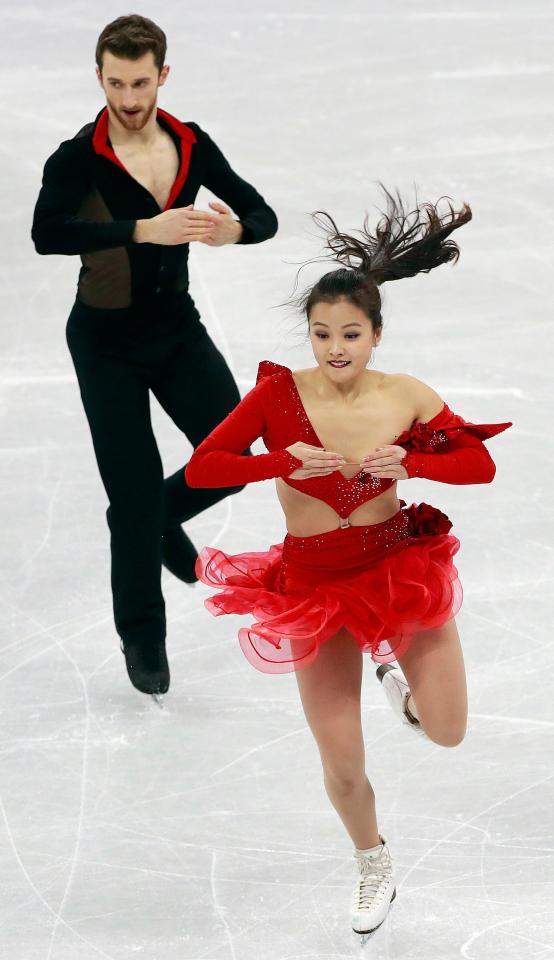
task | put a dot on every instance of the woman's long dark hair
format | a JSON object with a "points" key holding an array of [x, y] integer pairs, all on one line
{"points": [[404, 243]]}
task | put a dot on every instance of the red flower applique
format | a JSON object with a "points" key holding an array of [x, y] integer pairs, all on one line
{"points": [[426, 520], [423, 438]]}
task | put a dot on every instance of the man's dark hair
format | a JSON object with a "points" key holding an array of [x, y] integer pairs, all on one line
{"points": [[130, 38]]}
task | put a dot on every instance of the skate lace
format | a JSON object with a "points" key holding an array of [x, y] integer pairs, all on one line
{"points": [[375, 875]]}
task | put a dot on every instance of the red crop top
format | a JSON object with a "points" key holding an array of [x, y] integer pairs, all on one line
{"points": [[446, 448]]}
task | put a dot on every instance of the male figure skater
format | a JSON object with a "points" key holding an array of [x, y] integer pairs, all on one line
{"points": [[121, 194]]}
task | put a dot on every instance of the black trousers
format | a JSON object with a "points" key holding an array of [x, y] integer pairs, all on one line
{"points": [[119, 357]]}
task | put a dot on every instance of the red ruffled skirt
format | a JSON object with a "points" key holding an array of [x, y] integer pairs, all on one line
{"points": [[384, 583]]}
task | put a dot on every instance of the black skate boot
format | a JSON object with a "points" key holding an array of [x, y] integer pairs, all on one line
{"points": [[147, 666]]}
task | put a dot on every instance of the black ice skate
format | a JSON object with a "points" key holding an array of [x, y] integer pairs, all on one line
{"points": [[147, 666]]}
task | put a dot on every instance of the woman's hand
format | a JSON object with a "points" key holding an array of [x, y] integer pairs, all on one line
{"points": [[316, 462], [386, 463]]}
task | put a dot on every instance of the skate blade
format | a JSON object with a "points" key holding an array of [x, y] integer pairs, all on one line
{"points": [[158, 699], [364, 938]]}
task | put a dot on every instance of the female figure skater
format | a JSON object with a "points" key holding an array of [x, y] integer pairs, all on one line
{"points": [[358, 571]]}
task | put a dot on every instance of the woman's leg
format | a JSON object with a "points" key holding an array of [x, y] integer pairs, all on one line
{"points": [[434, 669], [330, 690]]}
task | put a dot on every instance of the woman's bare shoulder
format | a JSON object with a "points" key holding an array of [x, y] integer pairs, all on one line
{"points": [[422, 399], [304, 378]]}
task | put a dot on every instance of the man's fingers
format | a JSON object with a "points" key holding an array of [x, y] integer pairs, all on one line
{"points": [[216, 205], [197, 214], [194, 238], [195, 234], [199, 238], [201, 215]]}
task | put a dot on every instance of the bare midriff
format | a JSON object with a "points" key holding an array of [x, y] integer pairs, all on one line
{"points": [[306, 516]]}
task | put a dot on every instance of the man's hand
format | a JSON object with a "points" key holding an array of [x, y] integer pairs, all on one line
{"points": [[315, 461], [386, 463], [182, 225], [226, 228]]}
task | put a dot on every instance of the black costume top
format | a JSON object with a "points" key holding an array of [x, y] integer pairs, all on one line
{"points": [[89, 205]]}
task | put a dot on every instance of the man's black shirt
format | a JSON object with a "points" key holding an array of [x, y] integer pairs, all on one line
{"points": [[89, 204]]}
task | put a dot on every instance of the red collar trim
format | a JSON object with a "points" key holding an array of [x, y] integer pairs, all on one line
{"points": [[185, 134], [187, 138], [100, 140]]}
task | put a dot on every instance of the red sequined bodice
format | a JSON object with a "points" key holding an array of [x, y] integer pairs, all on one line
{"points": [[446, 448], [291, 423]]}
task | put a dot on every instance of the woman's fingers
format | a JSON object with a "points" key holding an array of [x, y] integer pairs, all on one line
{"points": [[314, 456], [304, 474], [387, 454], [319, 473], [322, 468], [379, 464], [320, 459], [324, 455], [397, 472], [321, 463]]}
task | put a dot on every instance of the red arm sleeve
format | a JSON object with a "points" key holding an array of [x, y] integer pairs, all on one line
{"points": [[468, 462], [450, 450], [219, 460]]}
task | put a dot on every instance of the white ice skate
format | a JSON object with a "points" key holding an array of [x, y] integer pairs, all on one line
{"points": [[397, 690], [374, 890]]}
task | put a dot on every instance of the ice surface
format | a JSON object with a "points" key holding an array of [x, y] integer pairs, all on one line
{"points": [[203, 830]]}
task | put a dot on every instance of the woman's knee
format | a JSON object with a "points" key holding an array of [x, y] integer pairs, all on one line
{"points": [[343, 777], [446, 735]]}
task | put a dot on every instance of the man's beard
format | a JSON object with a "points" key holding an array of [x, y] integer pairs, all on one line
{"points": [[134, 121]]}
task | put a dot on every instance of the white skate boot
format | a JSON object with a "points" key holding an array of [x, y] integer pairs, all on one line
{"points": [[374, 890], [397, 690]]}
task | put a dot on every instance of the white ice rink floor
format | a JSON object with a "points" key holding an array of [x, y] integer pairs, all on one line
{"points": [[203, 831]]}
